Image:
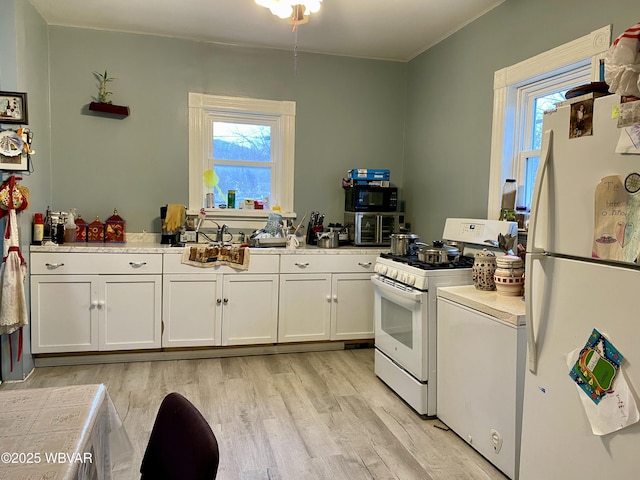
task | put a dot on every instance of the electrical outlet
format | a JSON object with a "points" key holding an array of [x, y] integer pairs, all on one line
{"points": [[496, 440], [188, 236]]}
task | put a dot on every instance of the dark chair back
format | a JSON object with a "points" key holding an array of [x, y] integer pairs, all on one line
{"points": [[181, 445]]}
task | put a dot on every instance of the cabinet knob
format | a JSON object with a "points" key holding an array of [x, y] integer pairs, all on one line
{"points": [[335, 298], [365, 264], [54, 265], [137, 264], [218, 301], [225, 301], [302, 265], [328, 298]]}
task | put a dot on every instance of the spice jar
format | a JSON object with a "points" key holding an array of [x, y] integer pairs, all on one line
{"points": [[114, 228], [38, 229], [95, 231], [509, 275], [81, 229], [482, 272]]}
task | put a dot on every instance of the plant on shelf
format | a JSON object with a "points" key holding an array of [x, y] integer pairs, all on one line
{"points": [[103, 79], [103, 104]]}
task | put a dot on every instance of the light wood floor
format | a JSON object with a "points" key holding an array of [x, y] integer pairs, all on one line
{"points": [[318, 415]]}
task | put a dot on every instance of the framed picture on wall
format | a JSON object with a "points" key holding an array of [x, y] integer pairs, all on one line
{"points": [[13, 108]]}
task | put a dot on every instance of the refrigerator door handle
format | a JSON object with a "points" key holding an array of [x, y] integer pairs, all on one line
{"points": [[545, 155]]}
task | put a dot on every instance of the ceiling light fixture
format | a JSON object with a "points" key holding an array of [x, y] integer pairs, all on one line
{"points": [[296, 11]]}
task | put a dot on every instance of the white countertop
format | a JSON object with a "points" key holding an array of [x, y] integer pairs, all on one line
{"points": [[142, 247], [504, 307]]}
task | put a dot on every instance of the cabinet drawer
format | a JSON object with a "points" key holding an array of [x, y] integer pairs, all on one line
{"points": [[95, 263], [172, 263], [329, 263]]}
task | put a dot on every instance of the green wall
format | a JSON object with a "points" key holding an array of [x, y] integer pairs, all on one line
{"points": [[428, 120], [450, 99], [350, 113], [24, 54]]}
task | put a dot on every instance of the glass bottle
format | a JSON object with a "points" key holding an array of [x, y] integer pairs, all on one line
{"points": [[60, 231]]}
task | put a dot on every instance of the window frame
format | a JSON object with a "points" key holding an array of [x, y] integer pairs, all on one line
{"points": [[526, 93], [504, 142], [203, 109]]}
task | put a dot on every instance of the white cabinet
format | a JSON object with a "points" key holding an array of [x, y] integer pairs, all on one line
{"points": [[95, 302], [325, 297], [351, 306], [305, 307], [220, 305]]}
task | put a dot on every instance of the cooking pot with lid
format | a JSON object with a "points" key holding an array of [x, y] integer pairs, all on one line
{"points": [[438, 252], [403, 243]]}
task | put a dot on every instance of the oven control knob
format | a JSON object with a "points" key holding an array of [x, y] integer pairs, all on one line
{"points": [[383, 269], [376, 268], [393, 273], [411, 279], [402, 277]]}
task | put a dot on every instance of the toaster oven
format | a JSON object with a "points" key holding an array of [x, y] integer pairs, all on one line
{"points": [[373, 228]]}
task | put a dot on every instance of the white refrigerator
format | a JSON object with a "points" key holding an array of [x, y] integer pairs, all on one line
{"points": [[580, 276]]}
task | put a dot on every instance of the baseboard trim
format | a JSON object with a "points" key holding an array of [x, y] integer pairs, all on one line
{"points": [[183, 354]]}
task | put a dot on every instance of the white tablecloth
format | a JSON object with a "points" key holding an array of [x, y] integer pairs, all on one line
{"points": [[60, 433]]}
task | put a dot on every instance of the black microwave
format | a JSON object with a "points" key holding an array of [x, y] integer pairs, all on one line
{"points": [[365, 198]]}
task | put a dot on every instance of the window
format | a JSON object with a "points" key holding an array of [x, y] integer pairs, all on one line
{"points": [[522, 93], [532, 100], [240, 144]]}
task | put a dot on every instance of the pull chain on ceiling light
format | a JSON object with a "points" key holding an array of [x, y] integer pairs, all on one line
{"points": [[296, 11]]}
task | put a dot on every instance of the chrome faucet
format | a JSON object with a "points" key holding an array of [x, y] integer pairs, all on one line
{"points": [[221, 232]]}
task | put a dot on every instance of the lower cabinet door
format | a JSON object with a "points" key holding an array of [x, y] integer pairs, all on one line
{"points": [[192, 310], [130, 311], [305, 307], [64, 314], [352, 306], [250, 309]]}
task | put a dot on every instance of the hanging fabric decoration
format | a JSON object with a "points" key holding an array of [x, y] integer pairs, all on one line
{"points": [[13, 305], [622, 63]]}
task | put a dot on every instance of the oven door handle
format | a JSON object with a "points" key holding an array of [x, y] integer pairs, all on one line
{"points": [[390, 291]]}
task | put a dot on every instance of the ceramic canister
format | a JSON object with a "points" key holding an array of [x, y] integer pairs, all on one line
{"points": [[509, 277], [483, 270]]}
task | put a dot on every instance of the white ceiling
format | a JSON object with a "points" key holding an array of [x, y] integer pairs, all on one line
{"points": [[382, 29]]}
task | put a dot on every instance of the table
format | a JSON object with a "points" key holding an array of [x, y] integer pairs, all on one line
{"points": [[60, 433]]}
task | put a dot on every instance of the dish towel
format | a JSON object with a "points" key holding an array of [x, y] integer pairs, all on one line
{"points": [[207, 257], [175, 217]]}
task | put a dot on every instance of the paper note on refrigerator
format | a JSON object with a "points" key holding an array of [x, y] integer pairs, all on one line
{"points": [[629, 140], [616, 229], [616, 408]]}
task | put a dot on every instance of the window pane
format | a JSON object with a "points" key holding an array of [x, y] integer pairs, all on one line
{"points": [[248, 182], [541, 105], [241, 141], [531, 169]]}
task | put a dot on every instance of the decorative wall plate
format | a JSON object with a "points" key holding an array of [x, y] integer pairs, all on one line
{"points": [[11, 144]]}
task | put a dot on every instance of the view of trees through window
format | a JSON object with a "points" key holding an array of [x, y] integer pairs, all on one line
{"points": [[241, 160], [541, 104]]}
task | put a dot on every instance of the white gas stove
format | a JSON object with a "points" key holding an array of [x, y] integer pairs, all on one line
{"points": [[405, 309]]}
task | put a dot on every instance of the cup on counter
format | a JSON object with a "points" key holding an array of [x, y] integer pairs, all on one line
{"points": [[292, 242]]}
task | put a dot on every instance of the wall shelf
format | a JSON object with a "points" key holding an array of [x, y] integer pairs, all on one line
{"points": [[109, 108]]}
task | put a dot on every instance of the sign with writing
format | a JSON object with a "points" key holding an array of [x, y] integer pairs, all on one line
{"points": [[617, 221]]}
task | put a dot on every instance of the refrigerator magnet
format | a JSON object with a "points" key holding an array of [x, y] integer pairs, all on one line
{"points": [[596, 368]]}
